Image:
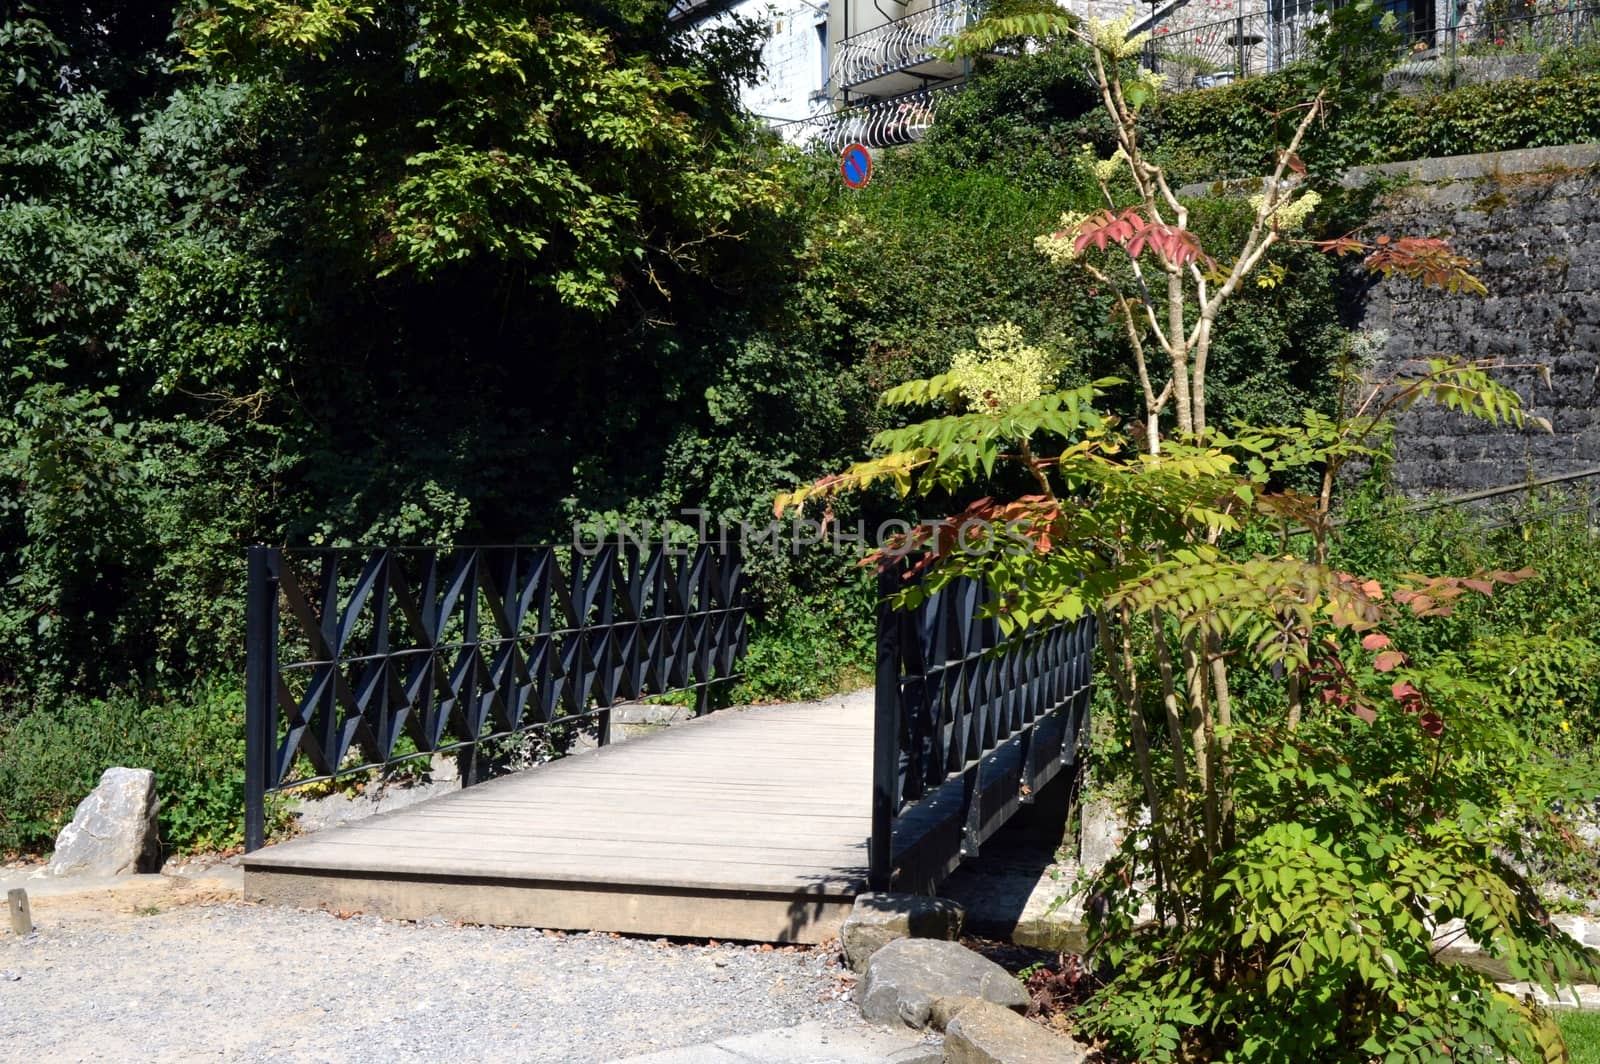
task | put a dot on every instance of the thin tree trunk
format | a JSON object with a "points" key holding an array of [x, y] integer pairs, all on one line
{"points": [[1169, 700]]}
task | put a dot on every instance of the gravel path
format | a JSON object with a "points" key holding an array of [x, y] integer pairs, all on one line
{"points": [[239, 983]]}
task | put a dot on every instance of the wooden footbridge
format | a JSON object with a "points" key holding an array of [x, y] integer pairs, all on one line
{"points": [[744, 823]]}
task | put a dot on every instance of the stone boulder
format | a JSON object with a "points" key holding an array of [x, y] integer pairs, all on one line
{"points": [[879, 919], [915, 980], [985, 1033], [113, 832]]}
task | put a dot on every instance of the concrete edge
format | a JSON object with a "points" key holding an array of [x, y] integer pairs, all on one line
{"points": [[739, 915], [1433, 171]]}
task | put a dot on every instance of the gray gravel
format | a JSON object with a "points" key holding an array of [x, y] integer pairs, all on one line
{"points": [[234, 982]]}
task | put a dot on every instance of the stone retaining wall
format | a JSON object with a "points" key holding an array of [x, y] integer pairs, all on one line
{"points": [[1533, 221]]}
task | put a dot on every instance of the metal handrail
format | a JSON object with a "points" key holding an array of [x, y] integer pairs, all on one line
{"points": [[961, 705], [348, 650], [898, 44], [1213, 53], [881, 124]]}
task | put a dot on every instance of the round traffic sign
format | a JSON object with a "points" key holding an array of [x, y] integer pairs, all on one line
{"points": [[855, 165]]}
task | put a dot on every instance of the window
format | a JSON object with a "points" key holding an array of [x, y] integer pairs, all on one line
{"points": [[822, 55]]}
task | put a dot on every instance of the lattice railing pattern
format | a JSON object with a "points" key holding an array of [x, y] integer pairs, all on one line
{"points": [[954, 689], [351, 650], [1262, 42]]}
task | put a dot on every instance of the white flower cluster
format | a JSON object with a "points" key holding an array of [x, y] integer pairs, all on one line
{"points": [[1058, 246], [1112, 37], [1106, 169], [1289, 213], [1003, 371]]}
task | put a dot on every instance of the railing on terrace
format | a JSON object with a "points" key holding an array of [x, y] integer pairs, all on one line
{"points": [[387, 655], [970, 722], [900, 44], [1249, 45], [880, 124], [1536, 34], [1215, 53]]}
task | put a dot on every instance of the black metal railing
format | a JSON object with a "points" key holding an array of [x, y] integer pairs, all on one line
{"points": [[1536, 34], [1266, 41], [955, 698], [1216, 53], [360, 659]]}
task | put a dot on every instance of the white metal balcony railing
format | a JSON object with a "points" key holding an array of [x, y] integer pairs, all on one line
{"points": [[881, 124], [900, 44]]}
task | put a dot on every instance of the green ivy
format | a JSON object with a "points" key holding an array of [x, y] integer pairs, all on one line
{"points": [[1229, 131]]}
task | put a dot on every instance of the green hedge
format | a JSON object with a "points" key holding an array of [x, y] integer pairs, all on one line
{"points": [[1232, 131], [52, 755]]}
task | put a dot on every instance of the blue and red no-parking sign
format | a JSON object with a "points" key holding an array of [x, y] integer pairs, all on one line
{"points": [[855, 165]]}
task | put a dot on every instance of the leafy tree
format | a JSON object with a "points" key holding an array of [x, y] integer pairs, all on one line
{"points": [[1302, 849], [590, 147]]}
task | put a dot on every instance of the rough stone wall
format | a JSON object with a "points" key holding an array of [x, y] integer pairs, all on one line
{"points": [[1537, 235]]}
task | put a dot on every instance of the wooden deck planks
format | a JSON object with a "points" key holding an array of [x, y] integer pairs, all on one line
{"points": [[751, 820]]}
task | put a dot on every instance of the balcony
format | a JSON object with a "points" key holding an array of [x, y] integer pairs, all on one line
{"points": [[880, 124], [899, 56]]}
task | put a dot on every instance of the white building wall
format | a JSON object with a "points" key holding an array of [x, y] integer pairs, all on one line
{"points": [[794, 59]]}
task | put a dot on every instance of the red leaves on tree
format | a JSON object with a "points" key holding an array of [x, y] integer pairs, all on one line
{"points": [[1434, 596], [1026, 520], [1132, 231], [1328, 675], [1406, 693], [1428, 260], [1388, 661]]}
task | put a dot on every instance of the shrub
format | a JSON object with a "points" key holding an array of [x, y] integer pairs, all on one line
{"points": [[1230, 131], [812, 647], [52, 756]]}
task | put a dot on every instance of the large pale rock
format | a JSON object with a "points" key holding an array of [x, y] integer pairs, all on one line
{"points": [[879, 919], [907, 979], [1102, 827], [113, 832], [984, 1033]]}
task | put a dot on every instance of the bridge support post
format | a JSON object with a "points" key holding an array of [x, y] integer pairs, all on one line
{"points": [[261, 690], [885, 738]]}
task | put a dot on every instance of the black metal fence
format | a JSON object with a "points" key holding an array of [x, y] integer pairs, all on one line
{"points": [[1216, 53], [1260, 42], [1527, 33], [963, 708], [360, 659]]}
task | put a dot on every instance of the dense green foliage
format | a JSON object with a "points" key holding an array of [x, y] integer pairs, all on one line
{"points": [[366, 271], [55, 754], [209, 343], [1557, 690], [1232, 131]]}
